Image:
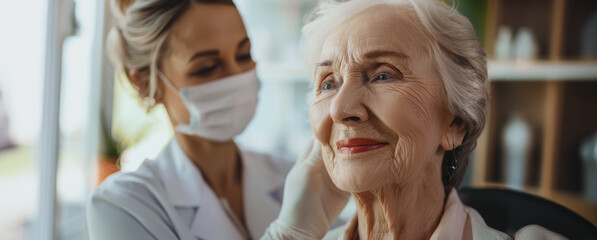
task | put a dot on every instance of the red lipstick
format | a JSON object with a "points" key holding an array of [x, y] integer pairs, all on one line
{"points": [[357, 145]]}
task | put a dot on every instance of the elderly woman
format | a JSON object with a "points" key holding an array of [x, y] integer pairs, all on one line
{"points": [[400, 102]]}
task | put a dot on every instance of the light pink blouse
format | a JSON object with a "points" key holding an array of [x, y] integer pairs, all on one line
{"points": [[460, 222]]}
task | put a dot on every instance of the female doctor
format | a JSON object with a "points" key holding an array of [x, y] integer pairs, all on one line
{"points": [[193, 56]]}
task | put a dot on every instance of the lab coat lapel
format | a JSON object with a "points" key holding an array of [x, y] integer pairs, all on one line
{"points": [[194, 201], [262, 192], [211, 221]]}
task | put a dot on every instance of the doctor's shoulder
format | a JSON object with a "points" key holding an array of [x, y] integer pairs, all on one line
{"points": [[127, 206], [122, 185]]}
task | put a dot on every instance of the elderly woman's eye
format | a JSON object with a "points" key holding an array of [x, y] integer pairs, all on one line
{"points": [[327, 83], [382, 77], [387, 74]]}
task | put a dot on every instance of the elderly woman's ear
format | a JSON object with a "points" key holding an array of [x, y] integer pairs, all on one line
{"points": [[454, 134]]}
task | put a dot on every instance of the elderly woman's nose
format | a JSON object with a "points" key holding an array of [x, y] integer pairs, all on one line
{"points": [[347, 106]]}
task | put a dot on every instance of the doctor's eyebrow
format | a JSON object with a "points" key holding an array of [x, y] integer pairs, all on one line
{"points": [[204, 53], [243, 42], [216, 52]]}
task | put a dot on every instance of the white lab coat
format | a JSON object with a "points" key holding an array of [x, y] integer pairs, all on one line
{"points": [[167, 198]]}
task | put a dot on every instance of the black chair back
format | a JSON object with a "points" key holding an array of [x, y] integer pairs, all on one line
{"points": [[508, 211]]}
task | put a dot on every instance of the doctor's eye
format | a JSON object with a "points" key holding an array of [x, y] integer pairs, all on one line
{"points": [[205, 71], [244, 58]]}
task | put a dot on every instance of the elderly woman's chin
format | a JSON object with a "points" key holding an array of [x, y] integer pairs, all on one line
{"points": [[360, 172]]}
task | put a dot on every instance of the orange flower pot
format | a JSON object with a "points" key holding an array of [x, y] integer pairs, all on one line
{"points": [[106, 167]]}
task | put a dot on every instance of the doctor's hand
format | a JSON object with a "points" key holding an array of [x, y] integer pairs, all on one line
{"points": [[311, 201]]}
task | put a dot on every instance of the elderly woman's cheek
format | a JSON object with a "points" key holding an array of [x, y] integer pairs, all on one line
{"points": [[416, 106], [321, 122]]}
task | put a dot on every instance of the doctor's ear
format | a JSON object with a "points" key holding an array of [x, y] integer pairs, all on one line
{"points": [[134, 76], [454, 134], [139, 78]]}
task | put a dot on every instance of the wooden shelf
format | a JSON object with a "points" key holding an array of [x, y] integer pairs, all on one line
{"points": [[578, 14], [542, 71], [554, 95], [527, 189]]}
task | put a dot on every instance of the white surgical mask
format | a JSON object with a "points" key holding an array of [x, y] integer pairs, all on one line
{"points": [[220, 109]]}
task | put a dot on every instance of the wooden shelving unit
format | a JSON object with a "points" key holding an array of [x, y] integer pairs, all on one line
{"points": [[556, 95], [568, 71]]}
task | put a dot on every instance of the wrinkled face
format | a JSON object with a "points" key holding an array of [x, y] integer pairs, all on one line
{"points": [[379, 109], [206, 43]]}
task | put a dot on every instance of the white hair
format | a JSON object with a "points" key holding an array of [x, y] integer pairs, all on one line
{"points": [[450, 42]]}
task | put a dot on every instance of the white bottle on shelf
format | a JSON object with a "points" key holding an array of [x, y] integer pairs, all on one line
{"points": [[517, 140], [503, 44], [525, 46], [588, 153]]}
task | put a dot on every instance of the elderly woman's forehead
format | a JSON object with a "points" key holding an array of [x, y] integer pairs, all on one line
{"points": [[382, 27]]}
